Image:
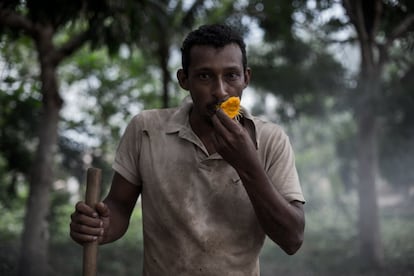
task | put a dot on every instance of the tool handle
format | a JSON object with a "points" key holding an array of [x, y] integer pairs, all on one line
{"points": [[90, 250]]}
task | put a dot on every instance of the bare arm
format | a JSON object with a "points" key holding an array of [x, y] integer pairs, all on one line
{"points": [[282, 221], [110, 218], [121, 201]]}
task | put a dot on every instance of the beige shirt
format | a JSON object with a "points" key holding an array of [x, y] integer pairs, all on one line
{"points": [[197, 217]]}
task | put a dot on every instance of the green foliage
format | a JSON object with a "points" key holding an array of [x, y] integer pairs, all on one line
{"points": [[396, 145], [19, 114], [18, 124], [304, 84], [58, 12], [59, 216], [275, 18], [114, 89], [398, 247], [298, 69], [110, 86], [11, 222], [331, 247]]}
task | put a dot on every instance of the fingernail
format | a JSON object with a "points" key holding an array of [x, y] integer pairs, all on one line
{"points": [[95, 215]]}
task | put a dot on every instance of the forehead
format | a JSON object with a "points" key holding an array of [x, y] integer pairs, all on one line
{"points": [[203, 56]]}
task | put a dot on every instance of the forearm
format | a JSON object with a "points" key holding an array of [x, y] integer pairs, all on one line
{"points": [[119, 222], [281, 220], [120, 203]]}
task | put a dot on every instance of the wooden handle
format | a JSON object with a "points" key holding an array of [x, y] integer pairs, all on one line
{"points": [[90, 250]]}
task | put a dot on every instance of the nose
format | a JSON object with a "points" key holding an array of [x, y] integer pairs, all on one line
{"points": [[219, 89]]}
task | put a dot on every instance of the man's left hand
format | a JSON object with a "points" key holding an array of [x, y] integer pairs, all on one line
{"points": [[232, 141]]}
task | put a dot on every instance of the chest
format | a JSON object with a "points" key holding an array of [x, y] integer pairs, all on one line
{"points": [[181, 182]]}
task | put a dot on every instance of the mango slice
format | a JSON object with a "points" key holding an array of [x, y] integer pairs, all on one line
{"points": [[231, 106]]}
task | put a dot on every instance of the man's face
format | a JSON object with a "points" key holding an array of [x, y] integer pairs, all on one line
{"points": [[214, 74]]}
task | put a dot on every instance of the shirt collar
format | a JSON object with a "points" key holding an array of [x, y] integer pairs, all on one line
{"points": [[180, 118]]}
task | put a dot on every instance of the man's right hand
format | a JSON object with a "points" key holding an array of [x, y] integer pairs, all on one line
{"points": [[88, 224]]}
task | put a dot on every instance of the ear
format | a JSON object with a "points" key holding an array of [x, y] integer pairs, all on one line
{"points": [[247, 75], [182, 79]]}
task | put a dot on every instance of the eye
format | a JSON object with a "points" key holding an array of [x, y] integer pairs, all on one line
{"points": [[204, 76], [233, 76]]}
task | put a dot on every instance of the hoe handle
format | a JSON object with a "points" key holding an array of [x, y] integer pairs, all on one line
{"points": [[90, 250]]}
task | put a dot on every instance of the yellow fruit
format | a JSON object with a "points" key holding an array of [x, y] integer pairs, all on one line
{"points": [[231, 106]]}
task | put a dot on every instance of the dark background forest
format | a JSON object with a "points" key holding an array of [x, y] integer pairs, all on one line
{"points": [[337, 75]]}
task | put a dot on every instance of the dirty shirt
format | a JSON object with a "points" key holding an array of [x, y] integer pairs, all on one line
{"points": [[197, 217]]}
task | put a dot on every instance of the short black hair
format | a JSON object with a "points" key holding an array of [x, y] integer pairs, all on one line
{"points": [[216, 35]]}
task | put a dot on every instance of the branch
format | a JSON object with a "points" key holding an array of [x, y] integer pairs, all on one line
{"points": [[378, 6], [360, 23], [189, 16], [71, 46], [14, 20], [402, 28], [356, 17], [341, 41], [349, 10], [398, 31]]}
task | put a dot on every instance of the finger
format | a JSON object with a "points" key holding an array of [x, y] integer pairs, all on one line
{"points": [[86, 229], [230, 130], [82, 238], [226, 120], [83, 208], [86, 220], [102, 209], [219, 126]]}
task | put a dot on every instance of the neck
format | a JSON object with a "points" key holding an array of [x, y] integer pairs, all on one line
{"points": [[201, 126]]}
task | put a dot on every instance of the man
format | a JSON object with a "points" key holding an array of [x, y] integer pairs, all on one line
{"points": [[212, 187]]}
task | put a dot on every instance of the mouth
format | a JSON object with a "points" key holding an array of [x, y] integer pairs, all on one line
{"points": [[219, 102], [212, 109]]}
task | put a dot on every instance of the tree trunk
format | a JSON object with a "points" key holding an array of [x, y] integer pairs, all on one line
{"points": [[367, 129], [365, 16], [35, 237], [369, 226], [164, 56]]}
